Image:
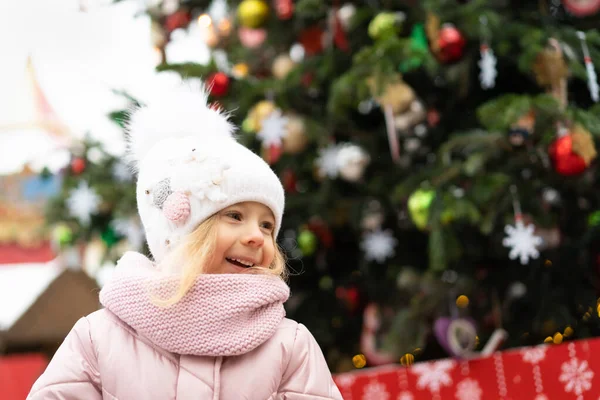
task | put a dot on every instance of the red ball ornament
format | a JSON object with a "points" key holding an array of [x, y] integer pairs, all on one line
{"points": [[582, 8], [566, 162], [451, 44], [179, 19], [77, 165], [312, 40], [218, 84]]}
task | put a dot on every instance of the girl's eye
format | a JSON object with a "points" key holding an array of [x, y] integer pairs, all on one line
{"points": [[235, 215], [268, 226]]}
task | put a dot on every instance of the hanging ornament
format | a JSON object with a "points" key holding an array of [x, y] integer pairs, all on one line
{"points": [[282, 65], [256, 115], [418, 46], [83, 202], [589, 67], [572, 152], [240, 70], [522, 130], [352, 161], [419, 204], [349, 296], [488, 74], [307, 242], [218, 84], [451, 44], [321, 229], [62, 235], [396, 98], [379, 245], [386, 24], [297, 52], [289, 181], [520, 237], [551, 71], [252, 13], [295, 140], [311, 40], [252, 38], [411, 117], [346, 13], [373, 216], [78, 165], [271, 134], [327, 164], [372, 323], [132, 230], [337, 34], [284, 9], [179, 19], [582, 8]]}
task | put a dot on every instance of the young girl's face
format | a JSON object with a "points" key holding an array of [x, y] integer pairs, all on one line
{"points": [[244, 238]]}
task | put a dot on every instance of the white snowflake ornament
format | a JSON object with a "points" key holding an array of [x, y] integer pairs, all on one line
{"points": [[131, 229], [122, 172], [82, 202], [379, 245], [522, 241], [273, 129], [488, 73], [327, 162]]}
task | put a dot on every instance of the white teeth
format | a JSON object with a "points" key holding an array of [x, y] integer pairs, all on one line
{"points": [[243, 262]]}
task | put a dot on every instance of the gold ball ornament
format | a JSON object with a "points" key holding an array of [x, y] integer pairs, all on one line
{"points": [[282, 65], [212, 38], [295, 140], [359, 361], [257, 114], [240, 70], [252, 13], [396, 94]]}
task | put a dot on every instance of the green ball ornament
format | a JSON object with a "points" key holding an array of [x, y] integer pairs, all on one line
{"points": [[109, 237], [307, 242], [384, 25], [62, 234], [419, 204]]}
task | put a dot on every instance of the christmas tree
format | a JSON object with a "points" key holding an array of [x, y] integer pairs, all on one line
{"points": [[438, 158]]}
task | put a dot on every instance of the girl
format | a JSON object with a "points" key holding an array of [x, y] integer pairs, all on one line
{"points": [[205, 320]]}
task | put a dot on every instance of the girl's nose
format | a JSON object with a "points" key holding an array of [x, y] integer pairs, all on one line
{"points": [[253, 236]]}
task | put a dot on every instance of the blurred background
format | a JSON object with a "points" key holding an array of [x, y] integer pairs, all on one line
{"points": [[438, 158]]}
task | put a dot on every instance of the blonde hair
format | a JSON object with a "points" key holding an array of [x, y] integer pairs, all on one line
{"points": [[196, 252]]}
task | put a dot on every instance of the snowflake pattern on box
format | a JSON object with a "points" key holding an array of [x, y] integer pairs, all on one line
{"points": [[83, 202], [468, 389], [433, 376], [405, 396], [522, 242], [379, 245], [577, 376], [375, 390], [535, 354]]}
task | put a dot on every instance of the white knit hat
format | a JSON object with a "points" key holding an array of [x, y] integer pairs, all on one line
{"points": [[190, 166]]}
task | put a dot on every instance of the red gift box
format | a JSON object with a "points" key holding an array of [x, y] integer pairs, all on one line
{"points": [[546, 372]]}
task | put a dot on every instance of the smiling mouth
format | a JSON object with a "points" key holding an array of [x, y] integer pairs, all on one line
{"points": [[239, 263]]}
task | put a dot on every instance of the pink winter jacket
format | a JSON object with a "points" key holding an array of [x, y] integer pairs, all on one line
{"points": [[227, 340]]}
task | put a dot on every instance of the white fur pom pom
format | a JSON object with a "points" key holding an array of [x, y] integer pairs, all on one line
{"points": [[176, 112]]}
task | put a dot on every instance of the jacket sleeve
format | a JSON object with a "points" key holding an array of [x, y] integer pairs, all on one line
{"points": [[73, 371], [307, 375]]}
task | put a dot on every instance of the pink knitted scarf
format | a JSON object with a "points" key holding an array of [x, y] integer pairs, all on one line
{"points": [[222, 315]]}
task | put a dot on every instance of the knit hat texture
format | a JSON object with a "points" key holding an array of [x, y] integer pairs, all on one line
{"points": [[190, 166]]}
